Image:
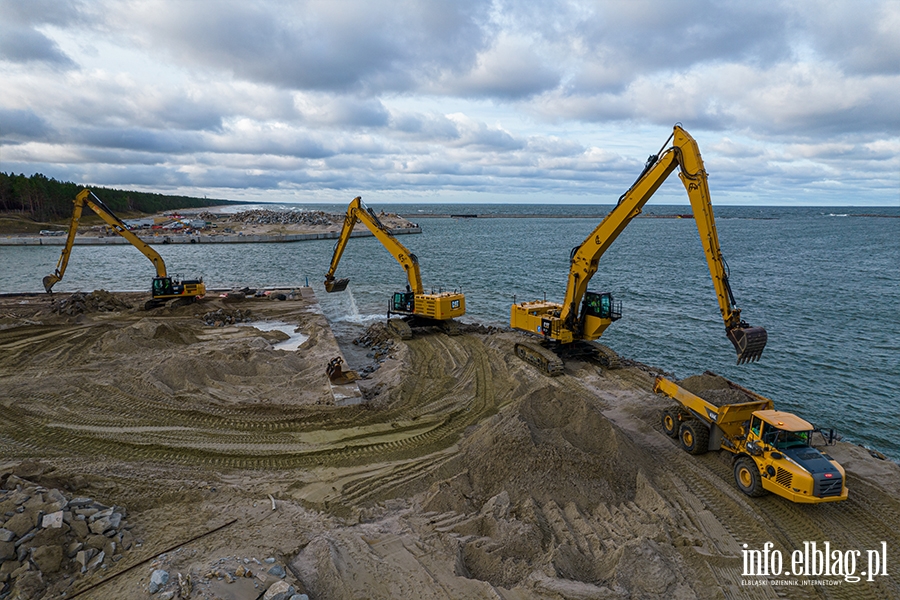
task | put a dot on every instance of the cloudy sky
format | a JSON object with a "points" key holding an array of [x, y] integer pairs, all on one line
{"points": [[792, 102]]}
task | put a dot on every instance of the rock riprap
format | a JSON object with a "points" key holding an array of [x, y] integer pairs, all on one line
{"points": [[48, 539]]}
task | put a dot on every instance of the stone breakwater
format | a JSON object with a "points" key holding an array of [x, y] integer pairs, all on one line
{"points": [[203, 238], [313, 218], [49, 539]]}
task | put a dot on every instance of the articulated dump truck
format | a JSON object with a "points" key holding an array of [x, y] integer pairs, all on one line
{"points": [[771, 448]]}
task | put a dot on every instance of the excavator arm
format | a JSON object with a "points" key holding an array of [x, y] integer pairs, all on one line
{"points": [[357, 212], [684, 155], [87, 197]]}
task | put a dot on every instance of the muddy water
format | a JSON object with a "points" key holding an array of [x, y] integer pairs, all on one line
{"points": [[822, 282]]}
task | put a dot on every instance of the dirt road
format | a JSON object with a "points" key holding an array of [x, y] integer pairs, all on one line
{"points": [[464, 473]]}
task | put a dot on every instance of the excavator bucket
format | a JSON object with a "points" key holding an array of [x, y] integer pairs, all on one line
{"points": [[336, 285], [748, 342], [337, 374], [49, 281]]}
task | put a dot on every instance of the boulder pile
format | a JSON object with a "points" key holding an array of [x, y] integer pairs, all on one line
{"points": [[381, 346], [227, 577], [49, 538], [274, 217], [96, 301]]}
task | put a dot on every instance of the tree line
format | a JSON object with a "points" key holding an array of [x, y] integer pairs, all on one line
{"points": [[45, 199]]}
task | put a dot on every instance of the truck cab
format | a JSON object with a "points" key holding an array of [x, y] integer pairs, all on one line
{"points": [[780, 443]]}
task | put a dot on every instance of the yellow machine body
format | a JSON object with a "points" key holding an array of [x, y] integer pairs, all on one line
{"points": [[772, 449], [163, 287], [585, 315], [416, 306]]}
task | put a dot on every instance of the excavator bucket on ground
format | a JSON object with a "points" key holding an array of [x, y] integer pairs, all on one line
{"points": [[748, 342], [337, 374], [336, 285]]}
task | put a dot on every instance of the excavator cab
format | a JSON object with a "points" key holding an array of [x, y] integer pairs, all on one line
{"points": [[598, 311], [748, 342], [403, 302], [601, 305], [162, 286]]}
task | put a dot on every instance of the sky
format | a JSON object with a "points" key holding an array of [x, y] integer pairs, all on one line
{"points": [[792, 102]]}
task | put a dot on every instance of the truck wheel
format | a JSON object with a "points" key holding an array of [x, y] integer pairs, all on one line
{"points": [[670, 422], [747, 478], [694, 437]]}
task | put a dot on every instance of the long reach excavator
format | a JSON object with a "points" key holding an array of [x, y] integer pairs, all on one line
{"points": [[414, 307], [164, 288], [570, 328]]}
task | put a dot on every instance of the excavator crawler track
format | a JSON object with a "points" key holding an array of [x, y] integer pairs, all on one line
{"points": [[545, 360], [605, 355], [400, 327]]}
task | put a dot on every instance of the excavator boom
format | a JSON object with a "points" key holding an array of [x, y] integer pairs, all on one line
{"points": [[357, 212]]}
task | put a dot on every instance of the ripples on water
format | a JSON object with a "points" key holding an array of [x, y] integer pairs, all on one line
{"points": [[824, 286]]}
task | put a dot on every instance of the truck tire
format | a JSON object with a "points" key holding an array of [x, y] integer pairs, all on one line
{"points": [[670, 421], [694, 437], [747, 477]]}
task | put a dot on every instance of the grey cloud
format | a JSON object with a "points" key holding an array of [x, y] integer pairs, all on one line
{"points": [[322, 45], [509, 70], [22, 125], [25, 45], [481, 137], [152, 176], [144, 140], [173, 142], [437, 127], [861, 37], [35, 12], [334, 110], [185, 114], [309, 95], [622, 39]]}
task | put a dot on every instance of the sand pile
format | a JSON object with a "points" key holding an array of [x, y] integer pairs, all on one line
{"points": [[464, 474], [96, 301], [714, 389], [548, 498]]}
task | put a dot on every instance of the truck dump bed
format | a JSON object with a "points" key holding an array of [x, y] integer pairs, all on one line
{"points": [[728, 417]]}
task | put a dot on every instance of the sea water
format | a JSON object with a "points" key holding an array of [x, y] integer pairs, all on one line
{"points": [[822, 281]]}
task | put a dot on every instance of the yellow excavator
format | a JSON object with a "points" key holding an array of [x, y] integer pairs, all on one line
{"points": [[570, 328], [164, 288], [414, 307]]}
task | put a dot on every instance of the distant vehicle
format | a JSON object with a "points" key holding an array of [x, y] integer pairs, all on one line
{"points": [[52, 232]]}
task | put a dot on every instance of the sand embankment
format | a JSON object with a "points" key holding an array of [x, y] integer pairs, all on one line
{"points": [[463, 474]]}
